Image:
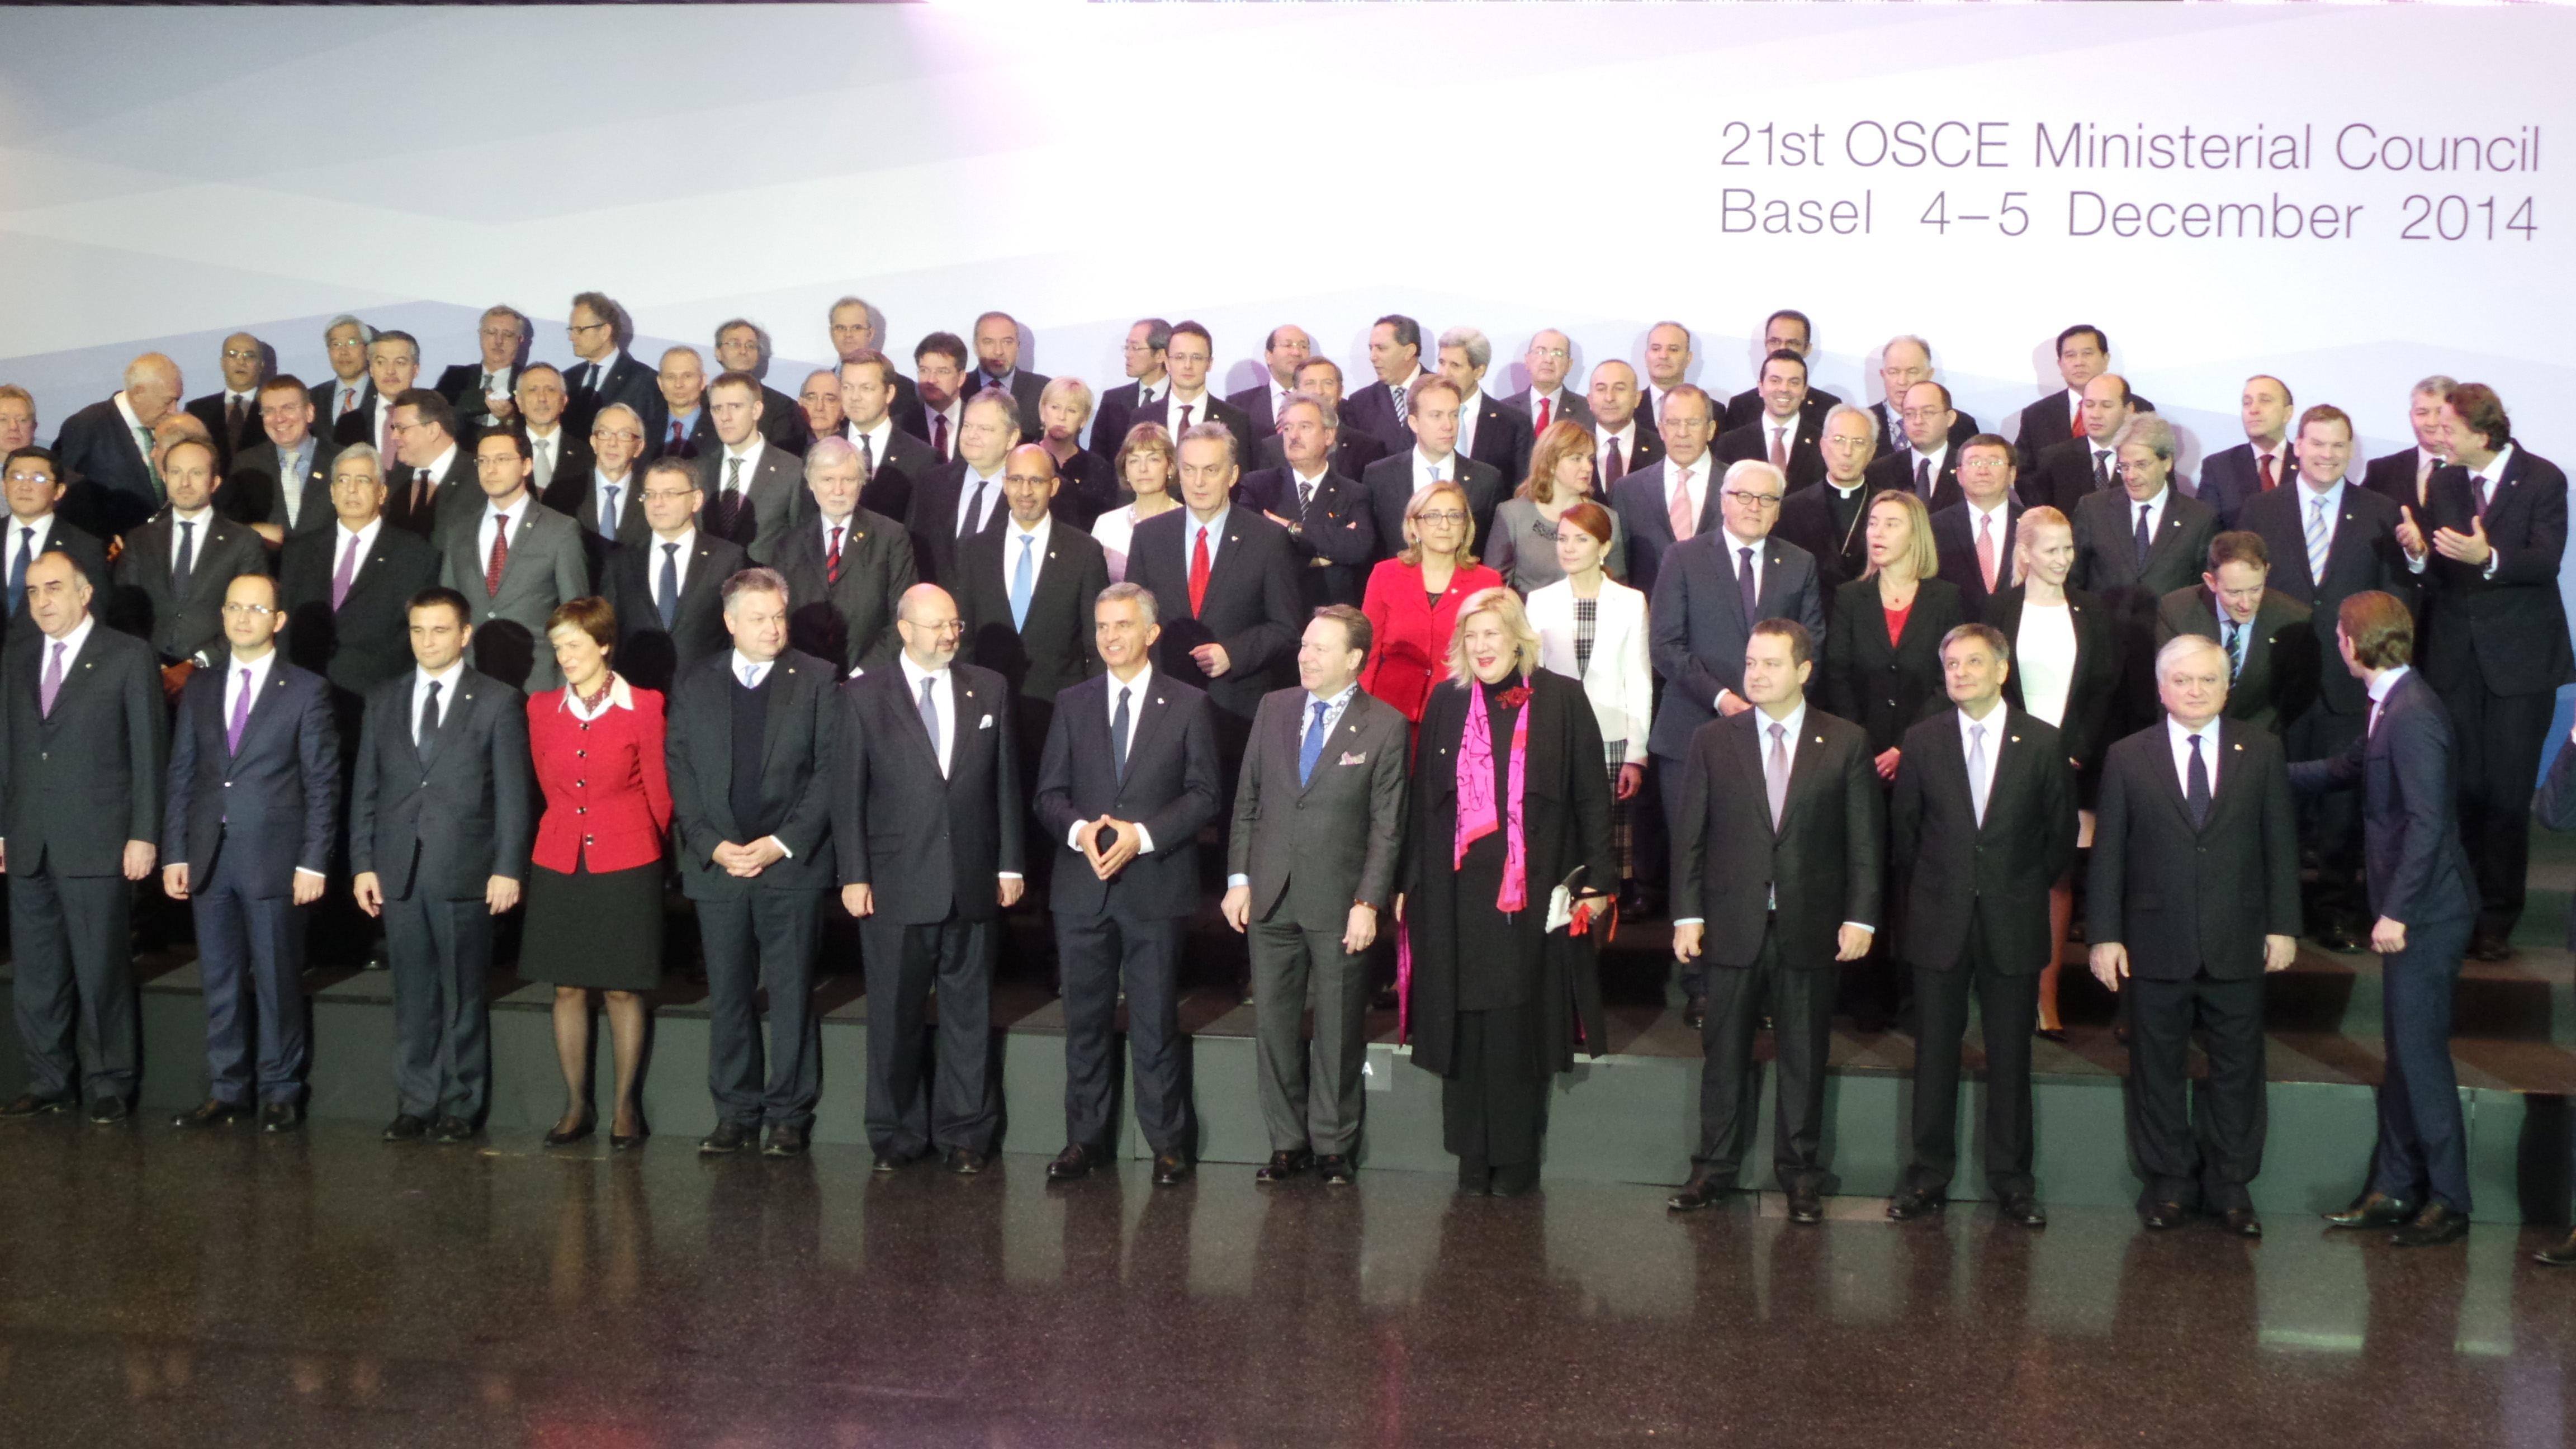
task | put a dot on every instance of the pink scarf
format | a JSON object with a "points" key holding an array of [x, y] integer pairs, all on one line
{"points": [[1476, 804]]}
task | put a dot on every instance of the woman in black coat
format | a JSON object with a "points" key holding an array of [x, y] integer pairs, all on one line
{"points": [[1498, 1004], [1883, 646], [2062, 672]]}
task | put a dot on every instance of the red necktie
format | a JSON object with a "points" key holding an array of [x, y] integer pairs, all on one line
{"points": [[939, 435], [1542, 414], [1779, 449], [1198, 572], [677, 437], [500, 556], [2263, 470], [832, 568], [2075, 425]]}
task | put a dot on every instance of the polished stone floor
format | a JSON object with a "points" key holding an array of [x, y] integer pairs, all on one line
{"points": [[160, 1289]]}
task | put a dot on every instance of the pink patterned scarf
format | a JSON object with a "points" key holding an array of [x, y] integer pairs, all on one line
{"points": [[1477, 808]]}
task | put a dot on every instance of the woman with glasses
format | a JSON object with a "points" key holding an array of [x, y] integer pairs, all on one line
{"points": [[1145, 468], [1412, 599], [1523, 549]]}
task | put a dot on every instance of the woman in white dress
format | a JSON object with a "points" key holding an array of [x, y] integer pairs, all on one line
{"points": [[1592, 628], [1146, 464]]}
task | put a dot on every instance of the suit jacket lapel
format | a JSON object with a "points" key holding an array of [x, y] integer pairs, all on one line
{"points": [[2168, 532], [1150, 711]]}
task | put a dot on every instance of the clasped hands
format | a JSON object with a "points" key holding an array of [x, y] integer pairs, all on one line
{"points": [[1123, 847], [747, 861]]}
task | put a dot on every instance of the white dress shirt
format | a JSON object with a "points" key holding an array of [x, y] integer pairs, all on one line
{"points": [[687, 539], [2181, 739], [749, 453], [1939, 452], [1622, 442], [235, 668], [1790, 724], [610, 506], [955, 413], [971, 519], [2379, 690], [1427, 472], [29, 533], [2284, 467], [1198, 407], [2000, 517], [493, 511], [1191, 532], [1468, 411], [878, 439], [1687, 481], [2155, 512], [1013, 547], [421, 680], [943, 697], [1135, 690], [1334, 708], [366, 538], [544, 450]]}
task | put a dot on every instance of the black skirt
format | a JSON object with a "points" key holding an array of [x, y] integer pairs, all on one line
{"points": [[602, 932]]}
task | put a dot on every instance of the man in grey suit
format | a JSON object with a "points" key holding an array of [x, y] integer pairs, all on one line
{"points": [[171, 574], [440, 825], [1308, 879], [281, 484], [750, 483], [1678, 485], [80, 818], [513, 566], [1547, 401]]}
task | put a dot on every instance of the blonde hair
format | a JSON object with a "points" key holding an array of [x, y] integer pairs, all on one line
{"points": [[1918, 525], [1505, 605], [1412, 556], [2032, 520]]}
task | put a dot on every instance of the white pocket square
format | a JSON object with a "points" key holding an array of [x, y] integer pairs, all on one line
{"points": [[1359, 759], [985, 723]]}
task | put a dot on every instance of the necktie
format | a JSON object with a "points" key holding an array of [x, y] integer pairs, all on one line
{"points": [[666, 593], [348, 401], [939, 435], [1185, 420], [974, 509], [2101, 470], [500, 555], [241, 716], [2424, 479], [488, 390], [345, 574], [1775, 775], [420, 492], [2075, 421], [159, 493], [1118, 727], [832, 558], [1613, 465], [867, 459], [384, 431], [1922, 477], [1430, 473], [1305, 500], [590, 377], [1403, 410], [428, 723], [1542, 413], [18, 562], [1023, 577], [1986, 550], [2196, 785], [1198, 572], [1745, 584], [1681, 515], [53, 682], [2143, 537], [2318, 542], [2235, 650], [608, 511], [1779, 450], [2263, 471], [930, 717], [2479, 482], [679, 436], [233, 416], [1313, 747], [186, 562], [728, 511], [1978, 784]]}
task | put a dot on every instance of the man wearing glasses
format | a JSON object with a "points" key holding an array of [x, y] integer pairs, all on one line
{"points": [[231, 416], [601, 372], [350, 389], [1928, 465], [433, 468], [481, 391], [34, 485], [1545, 401], [393, 365]]}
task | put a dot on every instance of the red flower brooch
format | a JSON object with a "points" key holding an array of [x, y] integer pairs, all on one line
{"points": [[1513, 698]]}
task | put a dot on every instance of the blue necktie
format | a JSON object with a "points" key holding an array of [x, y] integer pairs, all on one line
{"points": [[1022, 576], [608, 512], [1313, 749], [666, 597]]}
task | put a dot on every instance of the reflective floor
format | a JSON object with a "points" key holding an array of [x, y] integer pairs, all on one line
{"points": [[330, 1290]]}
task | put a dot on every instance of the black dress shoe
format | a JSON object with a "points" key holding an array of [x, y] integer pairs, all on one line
{"points": [[588, 1124], [898, 1161], [729, 1138], [407, 1128], [1695, 1012], [28, 1104], [1281, 1166], [1075, 1161], [1337, 1168], [785, 1140], [1512, 1181], [963, 1162], [2242, 1222], [625, 1141], [1806, 1206], [2490, 948], [2437, 1224], [2164, 1217], [1475, 1176], [212, 1112], [2373, 1210], [1915, 1202], [1704, 1189], [2337, 940], [452, 1129], [2562, 1256], [2022, 1210], [280, 1117], [1171, 1169], [108, 1107]]}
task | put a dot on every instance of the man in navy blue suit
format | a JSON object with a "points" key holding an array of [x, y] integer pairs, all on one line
{"points": [[246, 841]]}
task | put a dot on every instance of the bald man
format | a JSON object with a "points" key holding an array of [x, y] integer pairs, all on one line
{"points": [[232, 415], [108, 447]]}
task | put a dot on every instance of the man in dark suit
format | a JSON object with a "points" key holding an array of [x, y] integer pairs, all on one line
{"points": [[1024, 590], [2193, 897], [1377, 407], [1903, 362], [513, 564], [1678, 488], [676, 423], [1128, 777], [2330, 540], [1308, 879], [997, 364], [944, 385], [171, 571], [1284, 351], [963, 497], [1433, 458], [33, 480], [1974, 536], [1776, 850], [893, 464], [482, 391], [441, 820], [753, 732], [1782, 434], [2271, 643], [1190, 401], [246, 841], [604, 498], [1783, 331], [669, 591], [1144, 387], [1332, 532], [231, 416], [742, 346], [751, 485], [106, 450], [2133, 546], [1353, 450], [1928, 465], [393, 366], [1624, 433], [80, 820], [2495, 635], [562, 456], [2556, 807], [601, 373], [2083, 354], [857, 327], [2405, 477], [351, 388], [846, 566], [434, 492], [1547, 401], [281, 484], [1492, 434], [928, 824], [2258, 465], [1829, 519], [2422, 899], [2069, 470], [348, 590], [1981, 826]]}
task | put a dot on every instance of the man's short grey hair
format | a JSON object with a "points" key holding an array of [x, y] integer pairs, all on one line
{"points": [[759, 334], [1687, 339], [753, 580], [631, 416], [504, 309], [1143, 596], [2147, 431], [994, 397], [1907, 337], [1860, 416], [360, 453], [1209, 433], [1480, 353], [1757, 469], [366, 334], [876, 319], [2182, 644], [829, 452], [694, 355], [1331, 415], [2438, 385]]}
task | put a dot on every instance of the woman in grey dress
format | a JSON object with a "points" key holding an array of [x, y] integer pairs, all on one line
{"points": [[1523, 548]]}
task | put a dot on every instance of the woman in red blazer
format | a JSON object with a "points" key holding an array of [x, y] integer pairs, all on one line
{"points": [[1412, 600], [595, 888]]}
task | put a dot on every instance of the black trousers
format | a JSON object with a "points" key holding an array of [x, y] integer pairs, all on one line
{"points": [[2330, 820], [963, 1109], [2196, 1146], [2009, 1007], [1095, 955], [763, 939], [1800, 995], [2496, 745], [70, 939], [1651, 833], [1493, 1105], [441, 954], [250, 952], [2423, 1139]]}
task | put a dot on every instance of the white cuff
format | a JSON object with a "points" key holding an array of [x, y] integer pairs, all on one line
{"points": [[1238, 882]]}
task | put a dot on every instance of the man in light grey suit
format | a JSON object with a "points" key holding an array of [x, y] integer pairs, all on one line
{"points": [[750, 484], [1308, 878], [514, 563]]}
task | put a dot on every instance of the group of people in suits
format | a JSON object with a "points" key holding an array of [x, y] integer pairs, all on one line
{"points": [[878, 629]]}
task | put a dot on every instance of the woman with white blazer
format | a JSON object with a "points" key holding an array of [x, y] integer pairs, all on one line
{"points": [[1593, 628]]}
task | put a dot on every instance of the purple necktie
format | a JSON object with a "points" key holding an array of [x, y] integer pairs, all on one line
{"points": [[53, 684], [241, 716], [341, 576]]}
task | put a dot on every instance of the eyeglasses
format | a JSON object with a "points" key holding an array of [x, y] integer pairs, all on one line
{"points": [[24, 477], [668, 495], [1440, 515], [1559, 353], [951, 626], [1752, 500], [578, 328], [612, 435], [497, 333], [235, 606], [347, 344], [241, 354]]}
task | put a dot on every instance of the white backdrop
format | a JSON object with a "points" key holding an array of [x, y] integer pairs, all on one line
{"points": [[171, 175]]}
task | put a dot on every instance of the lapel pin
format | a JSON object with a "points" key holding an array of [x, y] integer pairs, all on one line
{"points": [[1158, 699], [2016, 739]]}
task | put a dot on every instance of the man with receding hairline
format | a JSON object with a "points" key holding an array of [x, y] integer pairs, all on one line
{"points": [[1283, 352], [2263, 462], [1783, 331], [482, 391], [997, 364], [1547, 401], [1903, 362], [677, 422], [1624, 437], [231, 416]]}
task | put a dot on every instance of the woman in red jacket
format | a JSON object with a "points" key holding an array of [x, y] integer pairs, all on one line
{"points": [[1412, 599], [595, 889]]}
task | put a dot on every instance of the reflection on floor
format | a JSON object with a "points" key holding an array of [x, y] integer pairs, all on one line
{"points": [[330, 1290]]}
